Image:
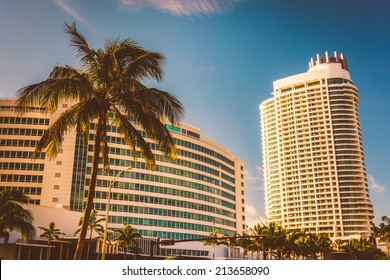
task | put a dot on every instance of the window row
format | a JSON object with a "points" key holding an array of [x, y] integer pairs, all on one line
{"points": [[21, 166], [18, 143], [20, 154], [17, 120], [21, 178], [25, 190], [21, 131]]}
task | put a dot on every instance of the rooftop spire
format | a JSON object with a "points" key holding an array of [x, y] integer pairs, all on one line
{"points": [[329, 59]]}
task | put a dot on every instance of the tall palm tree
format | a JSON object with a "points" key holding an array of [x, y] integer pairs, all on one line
{"points": [[94, 225], [13, 216], [127, 237], [108, 90], [51, 233]]}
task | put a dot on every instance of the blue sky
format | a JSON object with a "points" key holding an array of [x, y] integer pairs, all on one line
{"points": [[222, 57]]}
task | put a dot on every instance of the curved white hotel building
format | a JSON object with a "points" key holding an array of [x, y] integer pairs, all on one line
{"points": [[314, 167], [202, 190]]}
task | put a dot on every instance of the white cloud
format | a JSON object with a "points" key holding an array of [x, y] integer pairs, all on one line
{"points": [[70, 11], [374, 185], [252, 217], [183, 7]]}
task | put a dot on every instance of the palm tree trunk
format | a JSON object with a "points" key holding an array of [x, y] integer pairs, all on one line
{"points": [[91, 191], [89, 244], [48, 250]]}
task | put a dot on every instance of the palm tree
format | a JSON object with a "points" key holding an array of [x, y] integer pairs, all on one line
{"points": [[281, 242], [363, 249], [212, 240], [231, 242], [292, 248], [127, 237], [258, 243], [384, 232], [323, 245], [304, 244], [384, 229], [93, 226], [108, 90], [274, 238], [13, 216], [244, 242], [338, 246], [51, 233]]}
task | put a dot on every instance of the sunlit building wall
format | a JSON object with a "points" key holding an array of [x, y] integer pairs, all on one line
{"points": [[314, 167]]}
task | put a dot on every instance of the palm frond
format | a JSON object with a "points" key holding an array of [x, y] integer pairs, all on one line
{"points": [[145, 65], [77, 40], [64, 84], [165, 103], [133, 137], [52, 138]]}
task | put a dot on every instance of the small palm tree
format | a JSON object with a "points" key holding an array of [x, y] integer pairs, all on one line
{"points": [[245, 243], [338, 246], [127, 236], [258, 243], [323, 245], [231, 242], [211, 240], [13, 216], [292, 249], [51, 233], [107, 90], [272, 232], [384, 232], [94, 225]]}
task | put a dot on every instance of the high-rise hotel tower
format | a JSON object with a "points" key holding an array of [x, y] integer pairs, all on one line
{"points": [[314, 167]]}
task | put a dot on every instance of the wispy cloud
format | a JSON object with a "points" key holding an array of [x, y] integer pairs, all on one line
{"points": [[254, 178], [70, 11], [183, 7], [374, 185]]}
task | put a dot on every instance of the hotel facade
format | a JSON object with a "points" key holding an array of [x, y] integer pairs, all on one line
{"points": [[202, 190], [314, 167]]}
